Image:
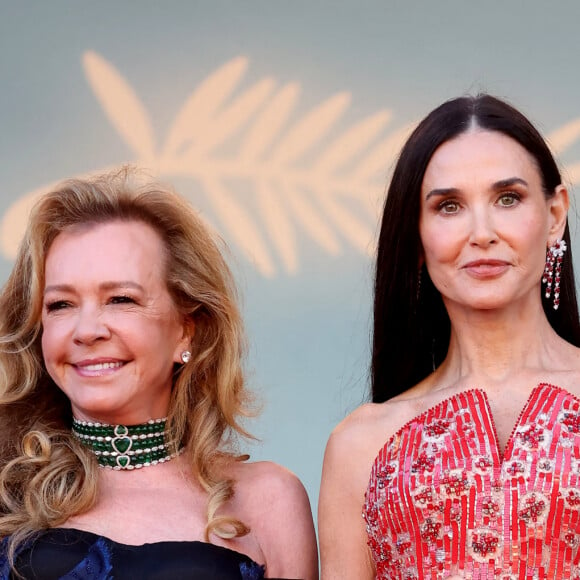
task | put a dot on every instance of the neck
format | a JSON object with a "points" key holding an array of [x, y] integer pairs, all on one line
{"points": [[492, 345], [126, 447]]}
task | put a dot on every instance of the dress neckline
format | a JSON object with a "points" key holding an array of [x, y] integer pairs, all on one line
{"points": [[96, 536], [441, 499], [481, 392], [75, 553]]}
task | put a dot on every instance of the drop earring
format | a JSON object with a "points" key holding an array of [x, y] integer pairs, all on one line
{"points": [[185, 356], [553, 270], [419, 279]]}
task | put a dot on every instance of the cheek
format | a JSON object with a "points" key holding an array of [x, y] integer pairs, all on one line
{"points": [[538, 260], [47, 354], [528, 238], [528, 225], [49, 343], [45, 339], [439, 253], [438, 246]]}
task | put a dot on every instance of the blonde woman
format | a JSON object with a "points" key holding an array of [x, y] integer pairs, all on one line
{"points": [[121, 398]]}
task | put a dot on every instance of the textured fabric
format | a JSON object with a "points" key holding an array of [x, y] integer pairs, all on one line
{"points": [[67, 554], [442, 499]]}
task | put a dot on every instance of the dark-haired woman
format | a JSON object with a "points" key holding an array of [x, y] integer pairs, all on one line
{"points": [[467, 463]]}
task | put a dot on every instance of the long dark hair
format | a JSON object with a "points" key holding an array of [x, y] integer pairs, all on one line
{"points": [[411, 327]]}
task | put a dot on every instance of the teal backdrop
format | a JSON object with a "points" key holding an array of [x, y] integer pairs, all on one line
{"points": [[280, 122]]}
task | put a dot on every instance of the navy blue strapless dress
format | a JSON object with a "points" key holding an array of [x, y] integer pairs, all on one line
{"points": [[70, 554]]}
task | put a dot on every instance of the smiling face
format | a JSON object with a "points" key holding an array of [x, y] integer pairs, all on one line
{"points": [[111, 333], [485, 221]]}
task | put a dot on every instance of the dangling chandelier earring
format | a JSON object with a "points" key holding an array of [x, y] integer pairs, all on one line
{"points": [[553, 270]]}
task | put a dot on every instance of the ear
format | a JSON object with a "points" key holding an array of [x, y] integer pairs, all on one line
{"points": [[188, 331], [558, 206]]}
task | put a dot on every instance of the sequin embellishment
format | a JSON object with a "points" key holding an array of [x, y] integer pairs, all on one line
{"points": [[441, 500]]}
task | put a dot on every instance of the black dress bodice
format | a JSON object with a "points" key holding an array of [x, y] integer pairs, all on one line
{"points": [[70, 554]]}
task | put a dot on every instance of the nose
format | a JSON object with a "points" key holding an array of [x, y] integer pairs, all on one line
{"points": [[483, 232], [90, 326]]}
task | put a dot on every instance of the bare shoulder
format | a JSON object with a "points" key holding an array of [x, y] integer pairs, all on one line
{"points": [[352, 447], [351, 450], [350, 454], [260, 480], [362, 433], [274, 503]]}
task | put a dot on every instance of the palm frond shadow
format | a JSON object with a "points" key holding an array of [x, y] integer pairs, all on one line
{"points": [[302, 174]]}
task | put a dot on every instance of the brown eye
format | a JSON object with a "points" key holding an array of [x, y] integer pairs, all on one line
{"points": [[449, 207], [508, 199]]}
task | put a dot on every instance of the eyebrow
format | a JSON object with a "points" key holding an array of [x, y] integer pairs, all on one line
{"points": [[102, 286], [441, 192], [501, 184], [509, 181]]}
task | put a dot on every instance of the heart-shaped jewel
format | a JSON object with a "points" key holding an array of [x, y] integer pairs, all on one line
{"points": [[121, 430], [123, 461], [122, 444]]}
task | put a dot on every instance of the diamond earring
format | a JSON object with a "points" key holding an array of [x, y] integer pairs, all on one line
{"points": [[185, 356], [553, 270]]}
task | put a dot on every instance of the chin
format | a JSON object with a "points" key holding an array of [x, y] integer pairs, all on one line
{"points": [[103, 413], [490, 305]]}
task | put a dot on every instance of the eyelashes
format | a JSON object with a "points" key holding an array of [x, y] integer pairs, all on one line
{"points": [[448, 207], [452, 206], [59, 305], [511, 196], [122, 299]]}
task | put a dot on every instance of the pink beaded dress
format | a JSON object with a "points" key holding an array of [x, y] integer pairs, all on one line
{"points": [[442, 500]]}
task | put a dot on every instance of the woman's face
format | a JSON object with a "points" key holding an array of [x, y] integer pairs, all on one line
{"points": [[111, 332], [485, 222]]}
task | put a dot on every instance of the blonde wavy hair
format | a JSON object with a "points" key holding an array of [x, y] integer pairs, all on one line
{"points": [[46, 476]]}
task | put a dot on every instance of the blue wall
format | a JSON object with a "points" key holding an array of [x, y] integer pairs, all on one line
{"points": [[320, 94]]}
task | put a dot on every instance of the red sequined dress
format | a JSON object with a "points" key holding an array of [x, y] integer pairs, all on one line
{"points": [[441, 500]]}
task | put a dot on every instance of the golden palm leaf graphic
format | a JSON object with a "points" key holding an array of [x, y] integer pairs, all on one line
{"points": [[269, 174], [560, 140]]}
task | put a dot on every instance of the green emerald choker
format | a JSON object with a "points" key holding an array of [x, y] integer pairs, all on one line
{"points": [[125, 446]]}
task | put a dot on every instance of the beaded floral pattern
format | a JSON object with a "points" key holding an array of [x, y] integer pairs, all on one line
{"points": [[441, 501]]}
